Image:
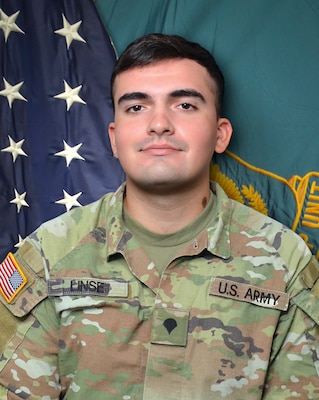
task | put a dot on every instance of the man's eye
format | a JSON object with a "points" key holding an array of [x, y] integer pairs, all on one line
{"points": [[135, 108], [187, 106]]}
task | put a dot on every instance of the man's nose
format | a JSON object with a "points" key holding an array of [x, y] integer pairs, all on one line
{"points": [[160, 123]]}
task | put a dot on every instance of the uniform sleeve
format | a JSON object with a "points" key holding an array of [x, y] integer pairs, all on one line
{"points": [[294, 366], [29, 336], [3, 393]]}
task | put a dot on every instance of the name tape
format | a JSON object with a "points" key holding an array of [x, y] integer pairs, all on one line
{"points": [[87, 286], [248, 293]]}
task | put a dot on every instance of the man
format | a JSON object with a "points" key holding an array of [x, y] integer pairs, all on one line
{"points": [[166, 289]]}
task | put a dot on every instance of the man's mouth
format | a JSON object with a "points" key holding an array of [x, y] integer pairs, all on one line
{"points": [[160, 149]]}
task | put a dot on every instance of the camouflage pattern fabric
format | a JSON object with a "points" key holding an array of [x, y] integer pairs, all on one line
{"points": [[234, 316]]}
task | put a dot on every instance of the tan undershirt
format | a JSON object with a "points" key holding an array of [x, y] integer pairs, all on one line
{"points": [[162, 248]]}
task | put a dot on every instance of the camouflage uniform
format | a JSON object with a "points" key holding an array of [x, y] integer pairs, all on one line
{"points": [[234, 316]]}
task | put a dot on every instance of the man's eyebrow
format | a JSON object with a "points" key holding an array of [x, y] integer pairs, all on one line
{"points": [[133, 96], [187, 93]]}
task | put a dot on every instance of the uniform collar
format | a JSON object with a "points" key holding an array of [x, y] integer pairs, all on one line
{"points": [[218, 231], [215, 239]]}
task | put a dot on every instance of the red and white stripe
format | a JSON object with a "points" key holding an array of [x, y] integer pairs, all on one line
{"points": [[7, 268]]}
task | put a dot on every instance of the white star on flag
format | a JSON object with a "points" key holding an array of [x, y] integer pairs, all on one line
{"points": [[70, 31], [8, 25], [70, 95], [70, 153], [15, 149], [45, 135], [69, 201], [19, 200], [20, 241], [12, 92]]}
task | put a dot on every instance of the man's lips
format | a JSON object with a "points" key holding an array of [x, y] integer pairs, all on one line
{"points": [[160, 149]]}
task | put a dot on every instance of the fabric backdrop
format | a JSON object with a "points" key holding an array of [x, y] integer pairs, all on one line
{"points": [[55, 106], [269, 53], [55, 63]]}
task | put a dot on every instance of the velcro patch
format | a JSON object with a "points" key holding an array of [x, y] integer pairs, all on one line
{"points": [[250, 294], [12, 279], [87, 286], [170, 326]]}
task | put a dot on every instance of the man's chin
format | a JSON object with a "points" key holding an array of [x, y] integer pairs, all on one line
{"points": [[162, 186]]}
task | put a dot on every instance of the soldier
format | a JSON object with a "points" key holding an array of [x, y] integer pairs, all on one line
{"points": [[166, 289]]}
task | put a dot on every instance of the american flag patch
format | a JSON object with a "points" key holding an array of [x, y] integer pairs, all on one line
{"points": [[12, 279]]}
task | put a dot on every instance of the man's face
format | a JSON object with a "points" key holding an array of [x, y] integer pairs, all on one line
{"points": [[165, 128]]}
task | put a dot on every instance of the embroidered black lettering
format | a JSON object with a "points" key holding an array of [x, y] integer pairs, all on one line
{"points": [[101, 287], [74, 285], [256, 295], [249, 294], [220, 288], [85, 286], [275, 299], [264, 298], [233, 290]]}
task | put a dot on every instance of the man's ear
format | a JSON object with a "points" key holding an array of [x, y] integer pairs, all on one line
{"points": [[224, 133], [112, 138]]}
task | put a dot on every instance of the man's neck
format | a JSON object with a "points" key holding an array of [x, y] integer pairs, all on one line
{"points": [[165, 212]]}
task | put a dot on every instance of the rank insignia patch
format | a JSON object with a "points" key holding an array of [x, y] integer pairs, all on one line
{"points": [[170, 326], [12, 279]]}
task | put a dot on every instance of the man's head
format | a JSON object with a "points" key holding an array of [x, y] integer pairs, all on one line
{"points": [[166, 123], [157, 47]]}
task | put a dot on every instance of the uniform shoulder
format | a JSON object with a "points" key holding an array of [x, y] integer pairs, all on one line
{"points": [[58, 236], [22, 284], [244, 215], [256, 221], [273, 236]]}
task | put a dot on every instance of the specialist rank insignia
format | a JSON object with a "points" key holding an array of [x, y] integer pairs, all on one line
{"points": [[12, 279], [170, 326]]}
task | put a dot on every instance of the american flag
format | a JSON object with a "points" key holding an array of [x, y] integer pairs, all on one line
{"points": [[12, 278], [55, 64]]}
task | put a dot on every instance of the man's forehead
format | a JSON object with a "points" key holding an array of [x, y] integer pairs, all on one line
{"points": [[170, 75]]}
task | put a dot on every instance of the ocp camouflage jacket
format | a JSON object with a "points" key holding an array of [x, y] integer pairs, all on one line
{"points": [[234, 316]]}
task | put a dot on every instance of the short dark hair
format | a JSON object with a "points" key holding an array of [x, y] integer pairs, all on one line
{"points": [[156, 47]]}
